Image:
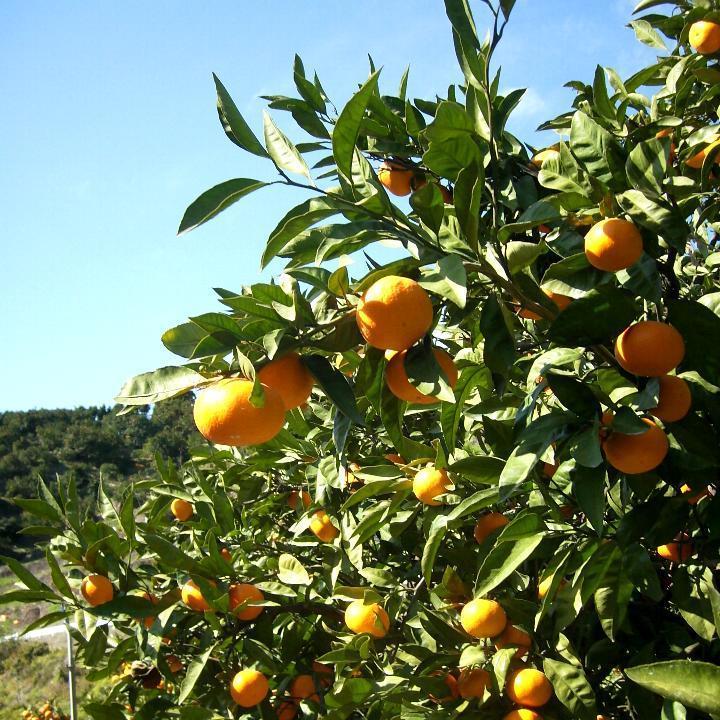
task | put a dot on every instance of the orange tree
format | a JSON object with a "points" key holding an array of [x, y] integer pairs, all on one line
{"points": [[480, 478]]}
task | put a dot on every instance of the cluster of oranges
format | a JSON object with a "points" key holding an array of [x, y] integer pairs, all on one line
{"points": [[47, 711]]}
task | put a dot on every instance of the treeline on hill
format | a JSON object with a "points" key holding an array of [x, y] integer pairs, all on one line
{"points": [[85, 443]]}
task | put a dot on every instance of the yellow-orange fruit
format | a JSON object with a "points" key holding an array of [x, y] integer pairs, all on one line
{"points": [[292, 380], [649, 348], [324, 672], [149, 620], [487, 524], [528, 686], [613, 244], [429, 483], [368, 618], [303, 688], [249, 688], [321, 525], [181, 509], [452, 685], [472, 682], [539, 158], [192, 596], [704, 37], [694, 497], [522, 714], [393, 313], [295, 495], [399, 385], [483, 618], [696, 161], [677, 551], [224, 414], [635, 454], [97, 590], [667, 132], [397, 179], [674, 399], [514, 636], [286, 710], [560, 300], [240, 593], [544, 587]]}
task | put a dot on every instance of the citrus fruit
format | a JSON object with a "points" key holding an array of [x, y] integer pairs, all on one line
{"points": [[292, 380], [192, 596], [649, 348], [677, 551], [324, 672], [240, 593], [452, 685], [561, 301], [488, 524], [635, 454], [513, 636], [224, 414], [522, 714], [694, 497], [295, 495], [322, 526], [286, 710], [97, 590], [303, 688], [226, 555], [149, 620], [249, 688], [549, 469], [704, 36], [371, 618], [667, 132], [472, 682], [181, 509], [528, 686], [483, 618], [395, 178], [393, 313], [399, 385], [613, 244], [174, 663], [429, 483], [674, 399], [696, 161]]}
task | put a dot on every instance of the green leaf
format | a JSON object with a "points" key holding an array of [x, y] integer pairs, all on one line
{"points": [[499, 346], [447, 278], [646, 165], [58, 578], [700, 328], [594, 147], [348, 124], [599, 316], [588, 486], [428, 204], [694, 684], [425, 374], [656, 216], [282, 151], [103, 711], [234, 124], [335, 385], [213, 201], [438, 528], [291, 571], [160, 384], [460, 16], [647, 35], [571, 688], [171, 554], [451, 413], [24, 575], [574, 394], [193, 673]]}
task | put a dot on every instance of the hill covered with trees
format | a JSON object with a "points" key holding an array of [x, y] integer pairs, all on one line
{"points": [[85, 443]]}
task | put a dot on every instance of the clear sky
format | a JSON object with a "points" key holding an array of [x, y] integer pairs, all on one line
{"points": [[108, 130]]}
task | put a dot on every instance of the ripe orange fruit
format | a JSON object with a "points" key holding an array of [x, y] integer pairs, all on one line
{"points": [[286, 710], [399, 385], [368, 618], [324, 672], [667, 132], [512, 636], [174, 663], [396, 178], [549, 469], [695, 497], [224, 414], [649, 348], [192, 596], [472, 682], [429, 483], [452, 685], [226, 555], [322, 526], [635, 454], [528, 686], [696, 161], [613, 244], [674, 399], [487, 524], [289, 377], [677, 551], [303, 688], [522, 714], [181, 509], [539, 158], [97, 590], [295, 495], [249, 688], [704, 37], [240, 593], [560, 300], [483, 618], [393, 313], [149, 619]]}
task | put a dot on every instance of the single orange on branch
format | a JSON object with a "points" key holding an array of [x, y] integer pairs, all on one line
{"points": [[472, 682], [241, 593], [322, 527], [192, 596], [635, 454], [674, 399], [649, 348], [289, 377], [613, 244], [483, 618], [181, 509], [430, 483], [249, 688], [488, 524], [704, 37], [396, 178], [528, 686], [371, 618], [97, 590], [400, 386]]}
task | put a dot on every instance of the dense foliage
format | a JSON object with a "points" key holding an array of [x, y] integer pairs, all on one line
{"points": [[604, 551]]}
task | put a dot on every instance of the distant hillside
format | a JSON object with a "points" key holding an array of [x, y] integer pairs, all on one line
{"points": [[84, 442]]}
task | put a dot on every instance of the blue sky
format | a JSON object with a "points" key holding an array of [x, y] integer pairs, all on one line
{"points": [[109, 131]]}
